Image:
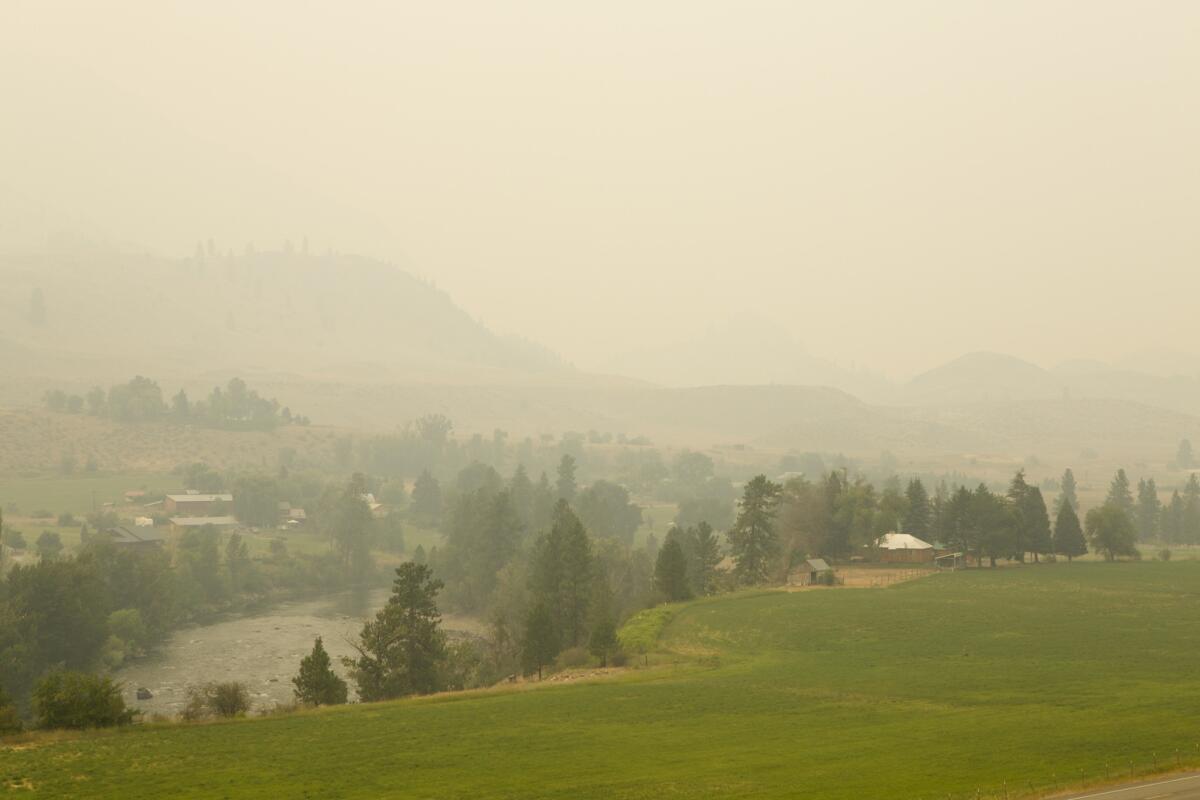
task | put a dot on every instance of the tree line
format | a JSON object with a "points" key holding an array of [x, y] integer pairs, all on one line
{"points": [[234, 407]]}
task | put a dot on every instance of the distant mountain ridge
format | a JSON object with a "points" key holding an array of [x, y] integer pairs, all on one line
{"points": [[281, 312], [357, 342], [992, 377]]}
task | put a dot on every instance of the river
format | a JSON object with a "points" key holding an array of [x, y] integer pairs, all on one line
{"points": [[263, 651]]}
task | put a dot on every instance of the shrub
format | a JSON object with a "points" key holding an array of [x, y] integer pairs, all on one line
{"points": [[66, 520], [228, 699], [78, 700], [10, 721], [127, 625], [573, 657], [49, 545], [618, 659], [1165, 554]]}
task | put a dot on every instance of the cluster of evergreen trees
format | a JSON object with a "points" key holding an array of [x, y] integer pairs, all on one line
{"points": [[234, 407], [779, 525]]}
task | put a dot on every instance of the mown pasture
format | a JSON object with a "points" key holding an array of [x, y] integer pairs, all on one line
{"points": [[1021, 677]]}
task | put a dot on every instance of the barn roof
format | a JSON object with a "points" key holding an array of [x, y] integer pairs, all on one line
{"points": [[124, 535], [818, 565], [200, 498], [197, 522], [902, 541]]}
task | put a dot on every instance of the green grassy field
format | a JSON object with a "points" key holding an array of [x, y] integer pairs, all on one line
{"points": [[922, 690], [77, 493]]}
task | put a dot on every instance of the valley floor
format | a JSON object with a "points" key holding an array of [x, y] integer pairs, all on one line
{"points": [[1017, 680]]}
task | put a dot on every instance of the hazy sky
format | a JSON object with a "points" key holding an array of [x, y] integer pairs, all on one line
{"points": [[894, 183]]}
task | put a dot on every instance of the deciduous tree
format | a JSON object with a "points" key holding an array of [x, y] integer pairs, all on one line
{"points": [[1110, 531]]}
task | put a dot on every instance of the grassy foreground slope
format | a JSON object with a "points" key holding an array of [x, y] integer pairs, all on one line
{"points": [[943, 685]]}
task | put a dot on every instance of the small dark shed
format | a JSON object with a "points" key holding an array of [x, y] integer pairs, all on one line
{"points": [[817, 569]]}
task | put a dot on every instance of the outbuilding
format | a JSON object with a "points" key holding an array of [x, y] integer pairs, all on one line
{"points": [[195, 504], [904, 548], [140, 538], [818, 569], [180, 524]]}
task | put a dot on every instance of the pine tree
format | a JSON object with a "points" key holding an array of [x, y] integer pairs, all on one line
{"points": [[400, 652], [317, 684], [708, 556], [562, 574], [1173, 519], [427, 497], [1069, 491], [603, 641], [1018, 496], [917, 520], [670, 572], [520, 488], [938, 508], [1191, 511], [752, 539], [1149, 510], [1068, 535], [1119, 494], [603, 638], [1036, 522], [543, 504], [566, 479], [1185, 458], [540, 644]]}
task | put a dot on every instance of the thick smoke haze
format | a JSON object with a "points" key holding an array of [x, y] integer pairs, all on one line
{"points": [[891, 185]]}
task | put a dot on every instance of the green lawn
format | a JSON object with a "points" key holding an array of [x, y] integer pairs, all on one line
{"points": [[926, 689]]}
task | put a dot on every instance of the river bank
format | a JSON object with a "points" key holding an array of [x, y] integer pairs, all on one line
{"points": [[261, 650]]}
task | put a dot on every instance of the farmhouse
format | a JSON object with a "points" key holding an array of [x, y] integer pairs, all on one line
{"points": [[194, 504], [904, 548]]}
